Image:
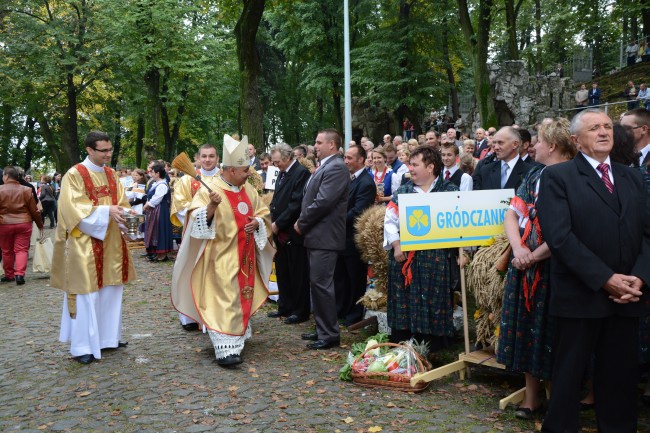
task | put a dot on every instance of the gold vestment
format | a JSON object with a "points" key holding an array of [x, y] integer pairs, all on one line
{"points": [[74, 268], [205, 282]]}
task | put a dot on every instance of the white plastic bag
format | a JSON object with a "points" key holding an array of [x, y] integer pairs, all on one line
{"points": [[43, 255]]}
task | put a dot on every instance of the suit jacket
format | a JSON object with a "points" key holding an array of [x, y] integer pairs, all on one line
{"points": [[488, 175], [362, 195], [593, 234], [287, 200], [480, 145], [593, 96], [256, 164], [324, 206]]}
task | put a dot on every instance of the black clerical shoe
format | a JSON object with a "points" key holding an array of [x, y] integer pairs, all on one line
{"points": [[7, 280], [229, 360], [145, 255], [293, 319], [20, 280], [85, 359], [191, 326], [313, 336], [122, 344], [273, 314], [324, 344]]}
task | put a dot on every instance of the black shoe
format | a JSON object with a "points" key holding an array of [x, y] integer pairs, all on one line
{"points": [[313, 336], [20, 280], [122, 344], [293, 319], [587, 406], [7, 280], [324, 344], [191, 326], [85, 359], [145, 255], [273, 314], [229, 360]]}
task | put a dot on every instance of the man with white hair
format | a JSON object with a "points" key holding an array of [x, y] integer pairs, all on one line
{"points": [[481, 141], [594, 215]]}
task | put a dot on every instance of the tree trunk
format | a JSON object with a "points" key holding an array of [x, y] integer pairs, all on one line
{"points": [[453, 91], [60, 161], [645, 17], [117, 137], [70, 141], [171, 132], [249, 70], [511, 27], [139, 141], [477, 43], [7, 133], [29, 147], [538, 36], [152, 116]]}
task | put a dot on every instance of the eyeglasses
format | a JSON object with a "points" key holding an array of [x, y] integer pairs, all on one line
{"points": [[631, 128], [110, 150]]}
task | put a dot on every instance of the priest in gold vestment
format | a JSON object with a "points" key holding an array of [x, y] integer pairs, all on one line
{"points": [[222, 269], [90, 260], [184, 191]]}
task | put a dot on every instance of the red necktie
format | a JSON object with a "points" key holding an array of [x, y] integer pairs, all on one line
{"points": [[604, 169], [446, 174]]}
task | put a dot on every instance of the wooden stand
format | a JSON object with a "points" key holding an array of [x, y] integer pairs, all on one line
{"points": [[465, 360]]}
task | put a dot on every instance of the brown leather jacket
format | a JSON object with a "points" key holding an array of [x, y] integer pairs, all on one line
{"points": [[17, 205]]}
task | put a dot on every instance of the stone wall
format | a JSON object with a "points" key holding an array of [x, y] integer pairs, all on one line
{"points": [[523, 99]]}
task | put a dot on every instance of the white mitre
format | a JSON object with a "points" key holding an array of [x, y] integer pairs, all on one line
{"points": [[235, 153]]}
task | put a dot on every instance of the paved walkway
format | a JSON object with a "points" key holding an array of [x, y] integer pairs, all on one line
{"points": [[167, 379]]}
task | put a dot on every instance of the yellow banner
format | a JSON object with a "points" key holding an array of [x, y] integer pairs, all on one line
{"points": [[451, 219]]}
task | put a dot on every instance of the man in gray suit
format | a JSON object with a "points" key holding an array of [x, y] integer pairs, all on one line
{"points": [[322, 223]]}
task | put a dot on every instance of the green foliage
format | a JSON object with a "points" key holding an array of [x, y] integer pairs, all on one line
{"points": [[171, 65]]}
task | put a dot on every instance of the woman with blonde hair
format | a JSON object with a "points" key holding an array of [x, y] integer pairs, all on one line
{"points": [[382, 174], [526, 329]]}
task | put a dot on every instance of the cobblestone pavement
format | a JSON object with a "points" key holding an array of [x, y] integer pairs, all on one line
{"points": [[167, 379]]}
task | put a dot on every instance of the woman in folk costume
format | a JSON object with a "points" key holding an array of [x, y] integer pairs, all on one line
{"points": [[91, 261], [158, 226], [526, 330], [382, 174], [419, 282], [222, 268]]}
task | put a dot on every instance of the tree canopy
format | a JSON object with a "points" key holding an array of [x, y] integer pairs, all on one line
{"points": [[164, 76]]}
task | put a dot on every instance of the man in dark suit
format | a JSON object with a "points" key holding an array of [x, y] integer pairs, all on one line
{"points": [[291, 265], [322, 225], [593, 95], [508, 169], [350, 275], [481, 141], [637, 123], [254, 160], [595, 218]]}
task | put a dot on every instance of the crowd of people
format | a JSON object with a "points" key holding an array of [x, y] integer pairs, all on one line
{"points": [[575, 307]]}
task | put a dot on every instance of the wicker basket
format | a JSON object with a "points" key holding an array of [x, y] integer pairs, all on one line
{"points": [[388, 380]]}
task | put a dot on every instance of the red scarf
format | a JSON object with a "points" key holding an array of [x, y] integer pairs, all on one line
{"points": [[94, 193], [242, 209]]}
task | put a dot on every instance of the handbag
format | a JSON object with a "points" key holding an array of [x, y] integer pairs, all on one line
{"points": [[43, 255]]}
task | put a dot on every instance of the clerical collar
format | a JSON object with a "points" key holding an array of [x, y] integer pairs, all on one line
{"points": [[235, 188], [91, 166], [212, 172]]}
